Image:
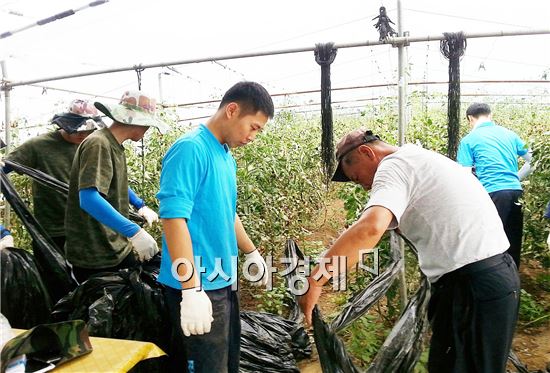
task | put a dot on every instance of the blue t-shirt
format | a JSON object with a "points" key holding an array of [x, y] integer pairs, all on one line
{"points": [[493, 150], [198, 182]]}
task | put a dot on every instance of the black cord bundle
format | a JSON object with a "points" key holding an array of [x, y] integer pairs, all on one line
{"points": [[324, 56], [452, 47]]}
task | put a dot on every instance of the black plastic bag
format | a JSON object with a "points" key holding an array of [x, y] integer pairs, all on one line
{"points": [[25, 301], [270, 343], [128, 304]]}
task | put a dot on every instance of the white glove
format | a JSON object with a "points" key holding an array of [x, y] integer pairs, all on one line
{"points": [[255, 264], [7, 241], [144, 245], [149, 215], [195, 312]]}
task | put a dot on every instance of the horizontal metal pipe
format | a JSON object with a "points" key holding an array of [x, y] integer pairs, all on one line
{"points": [[391, 41]]}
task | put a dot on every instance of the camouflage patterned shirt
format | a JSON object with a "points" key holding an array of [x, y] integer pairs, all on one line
{"points": [[51, 154], [99, 163]]}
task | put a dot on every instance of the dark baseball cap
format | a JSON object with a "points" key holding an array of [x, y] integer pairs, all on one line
{"points": [[349, 142]]}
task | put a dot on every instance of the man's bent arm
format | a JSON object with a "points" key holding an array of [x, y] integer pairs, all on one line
{"points": [[244, 243], [178, 240], [363, 234]]}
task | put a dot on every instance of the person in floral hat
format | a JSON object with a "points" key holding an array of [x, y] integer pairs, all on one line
{"points": [[53, 153], [100, 237]]}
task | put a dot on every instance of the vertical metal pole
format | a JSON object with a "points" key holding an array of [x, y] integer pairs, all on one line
{"points": [[401, 79], [402, 104], [8, 135], [160, 88]]}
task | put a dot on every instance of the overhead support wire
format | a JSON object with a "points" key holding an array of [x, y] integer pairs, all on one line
{"points": [[71, 91], [339, 108], [365, 87], [55, 17], [336, 103], [391, 41]]}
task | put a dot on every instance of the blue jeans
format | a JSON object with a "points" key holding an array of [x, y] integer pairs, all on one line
{"points": [[217, 351]]}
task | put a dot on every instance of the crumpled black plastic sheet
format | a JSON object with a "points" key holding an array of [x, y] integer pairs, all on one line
{"points": [[128, 304], [363, 301], [332, 353], [51, 265], [402, 348], [293, 278], [270, 343], [39, 176], [24, 299]]}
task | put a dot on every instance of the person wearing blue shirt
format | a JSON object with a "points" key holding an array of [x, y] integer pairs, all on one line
{"points": [[202, 233], [492, 152]]}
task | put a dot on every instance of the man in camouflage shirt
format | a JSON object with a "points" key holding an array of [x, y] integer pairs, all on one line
{"points": [[53, 153], [99, 235]]}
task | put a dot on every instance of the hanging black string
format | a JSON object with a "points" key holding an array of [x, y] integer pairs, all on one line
{"points": [[452, 47], [138, 73], [324, 56], [139, 70]]}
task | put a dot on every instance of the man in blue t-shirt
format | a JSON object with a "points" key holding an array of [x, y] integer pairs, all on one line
{"points": [[492, 151], [203, 233]]}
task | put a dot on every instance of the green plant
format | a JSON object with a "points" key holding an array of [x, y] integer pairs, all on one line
{"points": [[365, 337], [276, 299], [543, 280], [280, 183], [529, 308]]}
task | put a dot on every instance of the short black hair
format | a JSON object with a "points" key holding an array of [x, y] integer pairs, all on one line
{"points": [[251, 96], [477, 109]]}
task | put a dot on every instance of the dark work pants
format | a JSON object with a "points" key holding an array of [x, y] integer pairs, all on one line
{"points": [[511, 213], [82, 274], [473, 313], [217, 351]]}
